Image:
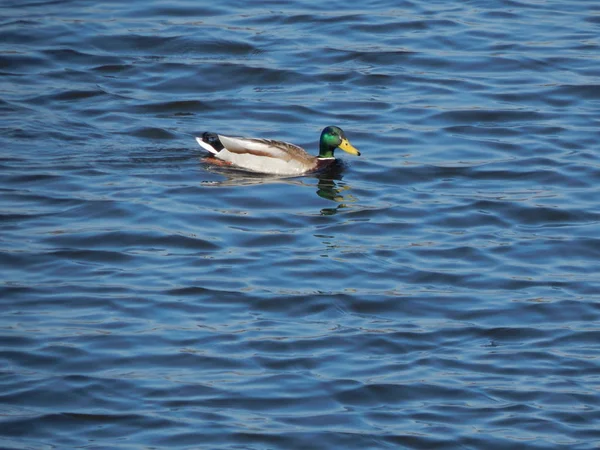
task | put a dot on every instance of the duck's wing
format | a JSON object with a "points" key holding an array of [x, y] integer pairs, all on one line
{"points": [[267, 148]]}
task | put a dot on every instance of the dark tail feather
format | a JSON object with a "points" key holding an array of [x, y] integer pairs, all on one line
{"points": [[212, 139]]}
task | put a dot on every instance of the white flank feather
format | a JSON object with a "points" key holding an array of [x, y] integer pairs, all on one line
{"points": [[262, 164], [206, 146]]}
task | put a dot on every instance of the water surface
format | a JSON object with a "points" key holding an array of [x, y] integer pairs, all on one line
{"points": [[440, 291]]}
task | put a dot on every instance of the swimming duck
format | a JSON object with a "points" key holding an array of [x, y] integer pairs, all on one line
{"points": [[275, 157]]}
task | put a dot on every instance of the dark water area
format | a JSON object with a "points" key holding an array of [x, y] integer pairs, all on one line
{"points": [[440, 291]]}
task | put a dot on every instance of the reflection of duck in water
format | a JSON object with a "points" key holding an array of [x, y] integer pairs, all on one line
{"points": [[329, 188], [276, 157], [328, 185]]}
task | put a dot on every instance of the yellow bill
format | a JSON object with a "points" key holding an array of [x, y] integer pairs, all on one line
{"points": [[348, 147]]}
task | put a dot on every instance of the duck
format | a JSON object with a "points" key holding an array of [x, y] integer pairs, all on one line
{"points": [[268, 156]]}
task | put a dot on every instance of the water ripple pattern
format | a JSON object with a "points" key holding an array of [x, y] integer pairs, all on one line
{"points": [[440, 291]]}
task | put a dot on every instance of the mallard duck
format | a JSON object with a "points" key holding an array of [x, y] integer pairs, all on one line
{"points": [[275, 157]]}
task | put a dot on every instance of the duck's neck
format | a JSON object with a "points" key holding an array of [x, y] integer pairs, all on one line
{"points": [[325, 151]]}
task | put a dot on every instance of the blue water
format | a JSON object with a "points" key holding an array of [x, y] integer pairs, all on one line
{"points": [[440, 291]]}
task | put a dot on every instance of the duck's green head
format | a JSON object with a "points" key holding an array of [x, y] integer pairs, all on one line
{"points": [[332, 138]]}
